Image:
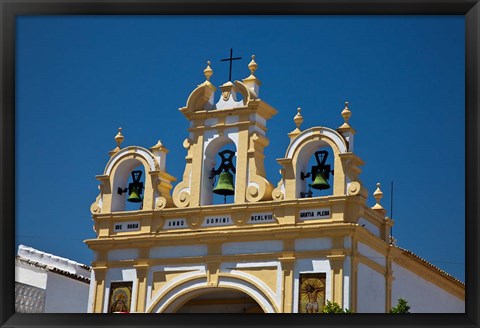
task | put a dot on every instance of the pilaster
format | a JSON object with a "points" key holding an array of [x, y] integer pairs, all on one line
{"points": [[388, 284], [99, 288], [142, 270], [288, 264], [242, 167], [197, 169], [353, 284], [336, 265]]}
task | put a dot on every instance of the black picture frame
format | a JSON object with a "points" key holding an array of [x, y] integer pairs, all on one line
{"points": [[9, 9]]}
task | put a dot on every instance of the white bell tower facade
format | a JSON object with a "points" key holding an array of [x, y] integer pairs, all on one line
{"points": [[238, 118], [289, 247]]}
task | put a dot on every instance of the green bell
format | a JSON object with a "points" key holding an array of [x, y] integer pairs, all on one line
{"points": [[135, 196], [320, 182], [225, 184]]}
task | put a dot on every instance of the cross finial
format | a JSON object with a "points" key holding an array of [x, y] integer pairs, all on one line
{"points": [[230, 59]]}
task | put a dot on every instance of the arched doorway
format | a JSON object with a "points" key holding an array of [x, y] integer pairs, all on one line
{"points": [[221, 300]]}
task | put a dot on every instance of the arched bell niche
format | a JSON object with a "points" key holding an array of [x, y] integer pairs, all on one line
{"points": [[212, 160], [122, 178], [302, 150], [134, 198], [318, 159]]}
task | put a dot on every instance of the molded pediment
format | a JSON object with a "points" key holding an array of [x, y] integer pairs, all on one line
{"points": [[201, 98]]}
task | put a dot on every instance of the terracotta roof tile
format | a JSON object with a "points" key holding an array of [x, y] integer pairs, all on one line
{"points": [[56, 270]]}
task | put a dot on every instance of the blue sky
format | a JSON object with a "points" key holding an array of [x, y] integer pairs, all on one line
{"points": [[79, 78]]}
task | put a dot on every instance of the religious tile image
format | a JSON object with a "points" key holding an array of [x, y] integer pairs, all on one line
{"points": [[311, 293], [120, 297]]}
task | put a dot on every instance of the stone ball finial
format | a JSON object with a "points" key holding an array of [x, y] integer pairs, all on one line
{"points": [[119, 137], [346, 113], [378, 194], [253, 65], [208, 71], [298, 119]]}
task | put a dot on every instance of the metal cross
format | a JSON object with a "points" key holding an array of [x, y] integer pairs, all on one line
{"points": [[230, 59]]}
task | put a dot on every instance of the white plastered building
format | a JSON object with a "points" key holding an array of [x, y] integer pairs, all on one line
{"points": [[45, 283]]}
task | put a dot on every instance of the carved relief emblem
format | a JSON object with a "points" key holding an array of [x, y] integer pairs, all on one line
{"points": [[226, 94]]}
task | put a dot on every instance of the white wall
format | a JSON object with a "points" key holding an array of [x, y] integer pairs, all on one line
{"points": [[369, 226], [312, 244], [30, 275], [347, 272], [252, 247], [122, 254], [422, 295], [62, 294], [65, 295], [371, 290], [91, 292], [372, 254], [178, 251]]}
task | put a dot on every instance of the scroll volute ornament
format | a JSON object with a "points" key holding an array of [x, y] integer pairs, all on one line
{"points": [[261, 188], [160, 203], [95, 208], [278, 193], [354, 188], [181, 196]]}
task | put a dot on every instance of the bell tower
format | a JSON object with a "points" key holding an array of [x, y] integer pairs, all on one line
{"points": [[313, 238], [237, 119]]}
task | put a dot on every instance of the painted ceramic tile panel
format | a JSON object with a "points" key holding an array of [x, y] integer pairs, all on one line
{"points": [[311, 292], [120, 297]]}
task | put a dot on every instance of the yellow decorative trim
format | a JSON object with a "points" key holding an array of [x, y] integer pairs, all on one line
{"points": [[354, 281], [199, 98], [213, 271], [265, 294], [141, 284], [288, 265], [162, 293], [336, 265], [99, 289], [206, 288]]}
